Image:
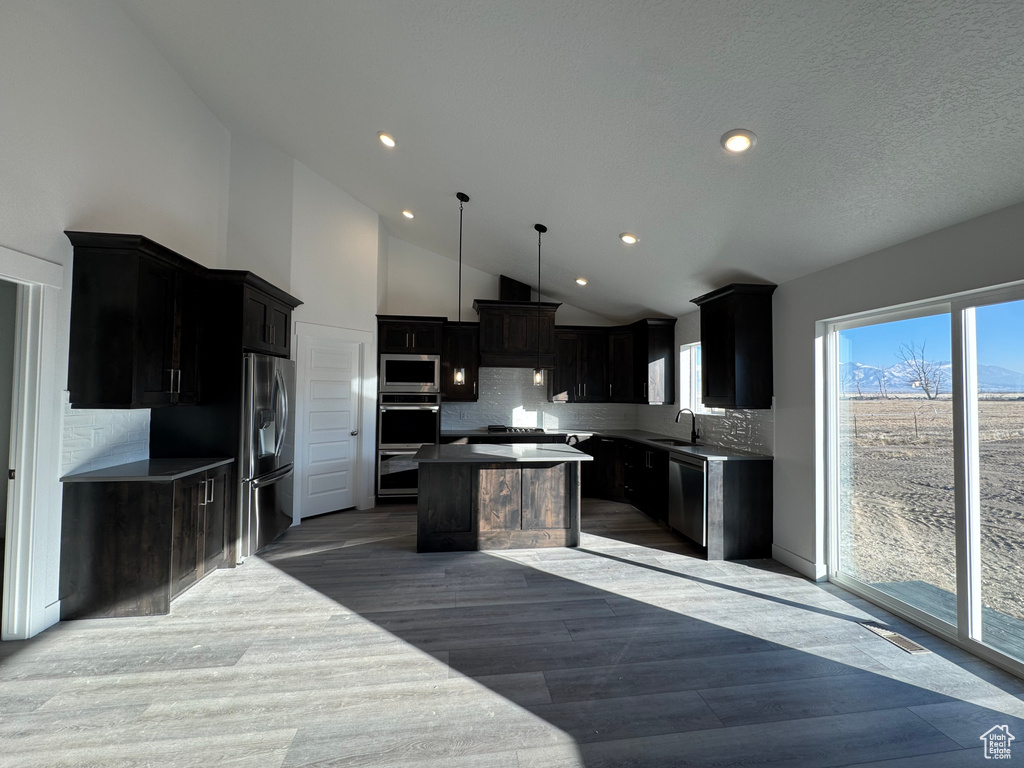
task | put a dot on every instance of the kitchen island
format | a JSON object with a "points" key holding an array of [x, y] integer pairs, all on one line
{"points": [[474, 497]]}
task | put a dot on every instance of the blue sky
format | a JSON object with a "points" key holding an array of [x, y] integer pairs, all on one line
{"points": [[1000, 338]]}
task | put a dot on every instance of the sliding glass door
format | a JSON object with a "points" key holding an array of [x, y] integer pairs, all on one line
{"points": [[896, 510], [999, 394], [925, 447]]}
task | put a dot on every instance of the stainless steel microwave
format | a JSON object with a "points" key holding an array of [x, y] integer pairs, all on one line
{"points": [[410, 373]]}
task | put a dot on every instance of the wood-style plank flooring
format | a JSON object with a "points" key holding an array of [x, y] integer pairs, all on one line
{"points": [[343, 647]]}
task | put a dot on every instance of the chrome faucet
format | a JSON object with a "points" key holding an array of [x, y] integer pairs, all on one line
{"points": [[694, 434]]}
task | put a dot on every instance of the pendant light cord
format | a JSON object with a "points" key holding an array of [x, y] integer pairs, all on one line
{"points": [[460, 262], [539, 234]]}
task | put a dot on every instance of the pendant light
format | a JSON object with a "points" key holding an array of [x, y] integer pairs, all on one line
{"points": [[460, 370], [538, 372]]}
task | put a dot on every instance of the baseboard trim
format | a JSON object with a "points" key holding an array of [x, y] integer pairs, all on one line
{"points": [[813, 571]]}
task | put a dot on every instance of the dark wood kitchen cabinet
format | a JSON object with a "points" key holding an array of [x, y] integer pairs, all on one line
{"points": [[135, 536], [409, 334], [581, 366], [736, 346], [266, 323], [648, 490], [641, 362], [135, 325], [516, 334], [460, 349]]}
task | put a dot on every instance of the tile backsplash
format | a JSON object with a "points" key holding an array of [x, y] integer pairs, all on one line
{"points": [[508, 396], [93, 439], [745, 430]]}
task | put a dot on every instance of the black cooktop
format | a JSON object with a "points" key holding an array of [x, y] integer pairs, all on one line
{"points": [[501, 428]]}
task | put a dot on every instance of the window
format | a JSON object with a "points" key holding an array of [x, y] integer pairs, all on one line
{"points": [[689, 377], [925, 451]]}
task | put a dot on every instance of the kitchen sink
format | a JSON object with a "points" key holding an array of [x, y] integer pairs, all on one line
{"points": [[671, 441]]}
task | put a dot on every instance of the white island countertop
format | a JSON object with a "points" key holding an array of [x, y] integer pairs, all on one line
{"points": [[499, 454]]}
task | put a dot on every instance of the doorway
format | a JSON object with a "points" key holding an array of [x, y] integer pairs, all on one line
{"points": [[8, 319], [331, 404]]}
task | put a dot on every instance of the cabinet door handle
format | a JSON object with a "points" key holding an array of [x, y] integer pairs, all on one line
{"points": [[474, 387], [407, 341], [202, 503], [645, 390], [179, 381], [170, 387], [584, 390], [609, 390], [414, 341], [212, 482]]}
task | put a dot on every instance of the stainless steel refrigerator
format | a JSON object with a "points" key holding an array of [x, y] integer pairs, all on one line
{"points": [[267, 451]]}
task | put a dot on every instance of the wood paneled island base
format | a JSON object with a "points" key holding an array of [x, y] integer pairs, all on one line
{"points": [[474, 497]]}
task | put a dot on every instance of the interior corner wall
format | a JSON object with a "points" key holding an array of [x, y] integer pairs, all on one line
{"points": [[99, 133], [383, 259], [259, 236], [979, 253], [421, 282]]}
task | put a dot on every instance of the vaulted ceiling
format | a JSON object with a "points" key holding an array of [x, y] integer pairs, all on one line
{"points": [[876, 121]]}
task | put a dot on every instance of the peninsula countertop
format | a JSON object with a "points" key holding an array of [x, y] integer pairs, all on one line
{"points": [[522, 453], [147, 470]]}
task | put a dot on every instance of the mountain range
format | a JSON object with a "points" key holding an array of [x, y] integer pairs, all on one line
{"points": [[898, 378]]}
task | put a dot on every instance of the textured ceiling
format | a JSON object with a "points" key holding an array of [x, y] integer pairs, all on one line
{"points": [[876, 120]]}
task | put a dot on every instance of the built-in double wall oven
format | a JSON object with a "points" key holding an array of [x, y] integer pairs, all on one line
{"points": [[406, 421]]}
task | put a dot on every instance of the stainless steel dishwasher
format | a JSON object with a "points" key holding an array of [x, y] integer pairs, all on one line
{"points": [[687, 497]]}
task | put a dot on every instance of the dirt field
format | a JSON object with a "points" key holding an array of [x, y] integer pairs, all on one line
{"points": [[898, 504]]}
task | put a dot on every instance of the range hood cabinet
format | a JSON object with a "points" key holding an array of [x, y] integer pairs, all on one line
{"points": [[511, 331]]}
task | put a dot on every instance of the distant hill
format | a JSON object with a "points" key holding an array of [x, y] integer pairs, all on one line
{"points": [[898, 379]]}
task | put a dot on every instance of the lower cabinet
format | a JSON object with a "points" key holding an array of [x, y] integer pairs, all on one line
{"points": [[130, 544], [723, 505]]}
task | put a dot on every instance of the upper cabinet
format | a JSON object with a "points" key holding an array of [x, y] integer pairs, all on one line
{"points": [[398, 334], [140, 312], [266, 323], [654, 360], [516, 334], [461, 349], [135, 326], [581, 366], [736, 346]]}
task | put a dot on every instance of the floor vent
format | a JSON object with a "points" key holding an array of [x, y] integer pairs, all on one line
{"points": [[895, 638]]}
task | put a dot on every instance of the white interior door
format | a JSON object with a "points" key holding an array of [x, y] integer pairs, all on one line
{"points": [[327, 425]]}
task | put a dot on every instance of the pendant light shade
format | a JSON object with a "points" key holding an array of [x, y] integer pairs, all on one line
{"points": [[457, 362], [538, 372]]}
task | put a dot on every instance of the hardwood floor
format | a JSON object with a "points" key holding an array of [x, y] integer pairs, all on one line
{"points": [[343, 647]]}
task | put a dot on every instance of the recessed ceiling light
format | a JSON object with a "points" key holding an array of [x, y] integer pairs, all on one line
{"points": [[628, 238], [581, 281], [739, 140], [386, 139], [407, 214]]}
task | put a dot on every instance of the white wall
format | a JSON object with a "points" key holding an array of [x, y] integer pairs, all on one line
{"points": [[259, 235], [8, 304], [421, 282], [99, 133], [982, 252], [334, 255]]}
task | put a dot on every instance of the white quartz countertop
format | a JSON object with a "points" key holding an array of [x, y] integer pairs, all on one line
{"points": [[521, 453]]}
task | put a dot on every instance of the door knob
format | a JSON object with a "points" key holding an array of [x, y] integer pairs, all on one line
{"points": [[354, 432]]}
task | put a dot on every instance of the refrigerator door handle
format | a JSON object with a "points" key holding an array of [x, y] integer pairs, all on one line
{"points": [[273, 477], [282, 403]]}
